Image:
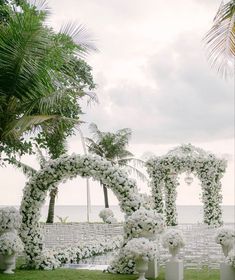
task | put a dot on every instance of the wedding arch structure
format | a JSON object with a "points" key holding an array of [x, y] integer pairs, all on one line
{"points": [[59, 170], [164, 171]]}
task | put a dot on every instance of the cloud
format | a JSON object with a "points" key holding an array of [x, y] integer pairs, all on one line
{"points": [[185, 100]]}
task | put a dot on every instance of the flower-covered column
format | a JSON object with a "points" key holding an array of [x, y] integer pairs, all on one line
{"points": [[170, 200], [156, 184], [210, 171]]}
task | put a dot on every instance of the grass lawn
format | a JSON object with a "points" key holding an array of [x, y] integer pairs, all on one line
{"points": [[72, 274]]}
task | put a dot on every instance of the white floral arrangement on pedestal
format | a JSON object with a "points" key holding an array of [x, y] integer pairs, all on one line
{"points": [[107, 215], [173, 240], [140, 248], [226, 238], [10, 244], [10, 219], [111, 220], [144, 223]]}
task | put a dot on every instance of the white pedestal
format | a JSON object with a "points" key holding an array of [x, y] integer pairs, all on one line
{"points": [[227, 272], [174, 270], [153, 269], [2, 266]]}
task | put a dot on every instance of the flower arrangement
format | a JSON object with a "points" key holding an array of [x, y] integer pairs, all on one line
{"points": [[173, 239], [163, 172], [111, 220], [225, 237], [105, 214], [64, 168], [10, 219], [144, 221], [10, 244], [140, 248]]}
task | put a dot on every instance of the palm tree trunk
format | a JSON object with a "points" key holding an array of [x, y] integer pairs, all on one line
{"points": [[106, 200], [51, 209]]}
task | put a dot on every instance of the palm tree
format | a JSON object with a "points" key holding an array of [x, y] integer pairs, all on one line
{"points": [[220, 39], [112, 146], [37, 71]]}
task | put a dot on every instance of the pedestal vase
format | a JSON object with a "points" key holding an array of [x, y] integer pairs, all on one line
{"points": [[141, 267], [8, 263]]}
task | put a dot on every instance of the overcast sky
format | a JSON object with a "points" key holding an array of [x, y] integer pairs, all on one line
{"points": [[153, 77]]}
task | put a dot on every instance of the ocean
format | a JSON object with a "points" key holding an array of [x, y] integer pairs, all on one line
{"points": [[186, 214]]}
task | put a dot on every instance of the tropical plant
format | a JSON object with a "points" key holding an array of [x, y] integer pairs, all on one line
{"points": [[38, 75], [220, 39], [112, 146]]}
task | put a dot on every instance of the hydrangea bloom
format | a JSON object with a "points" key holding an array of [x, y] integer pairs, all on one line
{"points": [[225, 236], [10, 244], [105, 214], [9, 218], [173, 239], [140, 248], [144, 220]]}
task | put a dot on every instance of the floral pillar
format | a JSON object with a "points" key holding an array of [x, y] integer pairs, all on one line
{"points": [[156, 184], [170, 200]]}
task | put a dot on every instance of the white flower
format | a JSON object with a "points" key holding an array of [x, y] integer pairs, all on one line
{"points": [[10, 244], [9, 218], [105, 214], [225, 236], [144, 220], [140, 248], [173, 239]]}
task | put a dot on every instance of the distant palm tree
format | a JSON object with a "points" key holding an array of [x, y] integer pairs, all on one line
{"points": [[220, 39], [112, 146]]}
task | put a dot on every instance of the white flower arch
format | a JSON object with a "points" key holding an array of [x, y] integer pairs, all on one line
{"points": [[54, 172], [164, 170]]}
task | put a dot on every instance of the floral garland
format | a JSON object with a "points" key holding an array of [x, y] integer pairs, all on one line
{"points": [[10, 244], [187, 158], [56, 257], [140, 248], [67, 167], [10, 219]]}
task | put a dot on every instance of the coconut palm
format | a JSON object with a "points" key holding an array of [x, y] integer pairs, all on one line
{"points": [[37, 73], [220, 39], [112, 146]]}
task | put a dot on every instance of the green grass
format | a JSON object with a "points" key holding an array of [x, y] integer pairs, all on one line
{"points": [[72, 274]]}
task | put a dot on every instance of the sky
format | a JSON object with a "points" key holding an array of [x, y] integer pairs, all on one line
{"points": [[152, 76]]}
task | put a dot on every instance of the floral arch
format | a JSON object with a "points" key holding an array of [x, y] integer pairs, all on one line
{"points": [[54, 172], [164, 171]]}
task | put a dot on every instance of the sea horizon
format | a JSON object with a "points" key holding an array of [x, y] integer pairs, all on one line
{"points": [[187, 214]]}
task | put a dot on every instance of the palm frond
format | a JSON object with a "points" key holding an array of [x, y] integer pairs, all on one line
{"points": [[17, 127], [97, 134], [132, 170], [93, 147], [220, 40], [80, 35]]}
